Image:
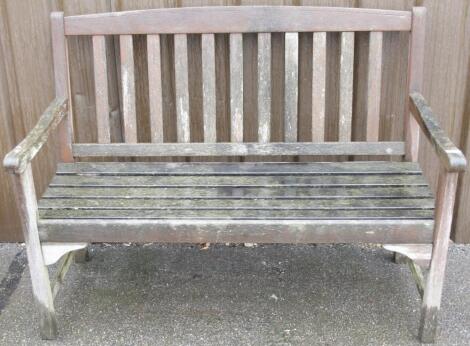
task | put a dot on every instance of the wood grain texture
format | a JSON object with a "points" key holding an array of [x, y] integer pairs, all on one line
{"points": [[236, 87], [128, 88], [182, 91], [155, 88], [416, 70], [61, 73], [318, 86], [346, 87], [209, 88], [445, 199], [223, 231], [374, 83], [27, 205], [291, 89], [232, 168], [20, 157], [238, 19], [264, 87], [440, 69], [238, 149], [101, 89], [450, 156]]}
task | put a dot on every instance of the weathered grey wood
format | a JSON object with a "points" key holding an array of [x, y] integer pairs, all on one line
{"points": [[182, 91], [374, 85], [417, 276], [449, 155], [208, 88], [264, 87], [101, 89], [330, 192], [239, 231], [318, 86], [128, 89], [237, 214], [235, 168], [418, 253], [291, 88], [255, 203], [239, 149], [346, 86], [229, 19], [445, 198], [62, 90], [27, 205], [415, 78], [155, 88], [18, 159], [241, 181], [236, 87], [62, 270]]}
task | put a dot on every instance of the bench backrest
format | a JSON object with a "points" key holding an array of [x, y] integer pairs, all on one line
{"points": [[236, 21]]}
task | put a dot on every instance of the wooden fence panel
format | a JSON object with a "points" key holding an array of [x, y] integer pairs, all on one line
{"points": [[28, 89]]}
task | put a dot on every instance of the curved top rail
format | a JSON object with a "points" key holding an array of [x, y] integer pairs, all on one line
{"points": [[241, 19]]}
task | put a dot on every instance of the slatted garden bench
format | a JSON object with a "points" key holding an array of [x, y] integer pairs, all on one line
{"points": [[385, 202]]}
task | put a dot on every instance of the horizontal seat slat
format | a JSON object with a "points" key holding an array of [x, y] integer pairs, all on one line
{"points": [[235, 214], [238, 149], [240, 19], [237, 231], [238, 181], [245, 168], [241, 192], [256, 203], [259, 202]]}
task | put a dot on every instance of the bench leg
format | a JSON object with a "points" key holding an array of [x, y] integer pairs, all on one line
{"points": [[27, 205], [433, 291], [42, 292]]}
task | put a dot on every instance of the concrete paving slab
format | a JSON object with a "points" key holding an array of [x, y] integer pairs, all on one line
{"points": [[266, 295]]}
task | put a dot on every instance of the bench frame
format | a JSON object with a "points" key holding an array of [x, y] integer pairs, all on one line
{"points": [[18, 161]]}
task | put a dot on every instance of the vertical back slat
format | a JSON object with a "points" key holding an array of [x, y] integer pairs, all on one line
{"points": [[62, 85], [101, 89], [128, 89], [236, 87], [415, 80], [182, 91], [374, 83], [346, 86], [291, 89], [155, 88], [318, 86], [208, 87], [264, 87]]}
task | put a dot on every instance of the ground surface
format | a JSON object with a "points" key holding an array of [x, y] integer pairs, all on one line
{"points": [[267, 295]]}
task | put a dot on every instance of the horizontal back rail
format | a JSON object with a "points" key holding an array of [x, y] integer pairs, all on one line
{"points": [[240, 19], [238, 149]]}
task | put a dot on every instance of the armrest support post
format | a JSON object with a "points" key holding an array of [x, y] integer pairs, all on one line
{"points": [[450, 156], [17, 160]]}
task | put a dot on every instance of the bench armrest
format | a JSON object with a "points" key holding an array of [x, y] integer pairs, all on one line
{"points": [[17, 159], [449, 155]]}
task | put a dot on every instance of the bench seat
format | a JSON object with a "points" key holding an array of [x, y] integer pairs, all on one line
{"points": [[238, 202]]}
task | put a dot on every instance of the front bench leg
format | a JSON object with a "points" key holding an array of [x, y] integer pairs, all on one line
{"points": [[445, 198], [27, 205]]}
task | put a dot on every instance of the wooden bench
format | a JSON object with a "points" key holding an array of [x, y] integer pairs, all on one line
{"points": [[385, 202]]}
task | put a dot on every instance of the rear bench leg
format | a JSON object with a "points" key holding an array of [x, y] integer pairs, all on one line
{"points": [[82, 256], [42, 293], [433, 291]]}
